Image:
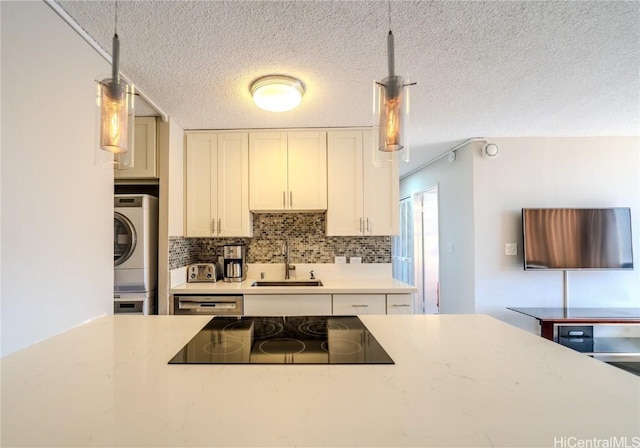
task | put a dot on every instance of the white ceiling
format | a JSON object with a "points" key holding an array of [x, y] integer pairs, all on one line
{"points": [[483, 68]]}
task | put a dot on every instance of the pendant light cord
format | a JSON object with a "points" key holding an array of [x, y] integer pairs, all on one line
{"points": [[115, 54], [390, 47]]}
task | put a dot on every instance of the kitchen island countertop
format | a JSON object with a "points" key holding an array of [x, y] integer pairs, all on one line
{"points": [[458, 380]]}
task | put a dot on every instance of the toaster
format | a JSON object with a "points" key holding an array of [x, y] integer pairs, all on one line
{"points": [[202, 272]]}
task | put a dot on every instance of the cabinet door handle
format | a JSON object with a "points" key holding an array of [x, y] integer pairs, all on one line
{"points": [[368, 231], [400, 305], [360, 306], [291, 199], [361, 227], [284, 199], [219, 226], [213, 226]]}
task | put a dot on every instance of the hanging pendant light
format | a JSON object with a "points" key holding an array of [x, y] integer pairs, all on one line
{"points": [[115, 99], [391, 105]]}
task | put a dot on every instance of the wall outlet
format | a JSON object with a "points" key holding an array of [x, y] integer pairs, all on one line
{"points": [[511, 249], [355, 260], [341, 260]]}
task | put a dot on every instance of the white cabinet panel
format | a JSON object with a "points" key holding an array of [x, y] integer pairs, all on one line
{"points": [[288, 171], [345, 183], [399, 303], [268, 170], [145, 163], [234, 218], [381, 194], [217, 185], [307, 170], [349, 304], [362, 198], [201, 196], [287, 305]]}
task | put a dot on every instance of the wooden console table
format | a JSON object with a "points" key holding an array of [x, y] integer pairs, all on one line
{"points": [[551, 318]]}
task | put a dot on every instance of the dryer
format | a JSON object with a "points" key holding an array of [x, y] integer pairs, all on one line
{"points": [[135, 252]]}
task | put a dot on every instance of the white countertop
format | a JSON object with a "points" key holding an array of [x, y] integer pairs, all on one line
{"points": [[463, 380], [329, 286]]}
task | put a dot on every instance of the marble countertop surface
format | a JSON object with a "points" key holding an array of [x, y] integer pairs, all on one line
{"points": [[329, 286], [458, 380]]}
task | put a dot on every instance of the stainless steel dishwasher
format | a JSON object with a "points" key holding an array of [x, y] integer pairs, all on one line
{"points": [[211, 304]]}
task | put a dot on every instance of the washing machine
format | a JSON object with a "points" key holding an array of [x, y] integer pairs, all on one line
{"points": [[135, 253]]}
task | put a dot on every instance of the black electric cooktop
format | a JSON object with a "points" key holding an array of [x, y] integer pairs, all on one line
{"points": [[283, 340]]}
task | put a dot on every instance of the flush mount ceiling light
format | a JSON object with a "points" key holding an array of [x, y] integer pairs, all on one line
{"points": [[277, 93], [391, 104]]}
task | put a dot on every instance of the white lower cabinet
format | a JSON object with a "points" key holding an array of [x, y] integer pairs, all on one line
{"points": [[326, 304], [350, 304], [399, 303], [287, 305]]}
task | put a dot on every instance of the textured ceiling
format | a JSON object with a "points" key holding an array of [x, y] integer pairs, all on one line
{"points": [[483, 68]]}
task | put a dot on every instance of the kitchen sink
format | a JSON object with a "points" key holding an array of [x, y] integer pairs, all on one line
{"points": [[287, 283]]}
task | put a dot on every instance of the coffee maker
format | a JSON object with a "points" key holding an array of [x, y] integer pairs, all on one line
{"points": [[233, 263]]}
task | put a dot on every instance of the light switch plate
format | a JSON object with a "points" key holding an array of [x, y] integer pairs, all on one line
{"points": [[511, 249], [341, 260], [355, 260]]}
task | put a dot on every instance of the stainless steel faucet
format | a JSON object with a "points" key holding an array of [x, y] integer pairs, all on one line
{"points": [[287, 266]]}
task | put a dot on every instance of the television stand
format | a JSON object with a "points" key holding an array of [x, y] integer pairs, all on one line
{"points": [[573, 327]]}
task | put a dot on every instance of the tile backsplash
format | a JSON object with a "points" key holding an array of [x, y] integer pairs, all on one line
{"points": [[307, 243]]}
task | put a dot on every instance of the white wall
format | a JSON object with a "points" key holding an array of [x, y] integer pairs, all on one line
{"points": [[176, 180], [56, 204], [550, 172], [171, 203], [484, 197], [455, 195]]}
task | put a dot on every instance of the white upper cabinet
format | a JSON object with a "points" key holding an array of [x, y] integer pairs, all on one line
{"points": [[145, 163], [381, 193], [288, 171], [217, 180], [307, 169], [345, 183], [268, 170], [362, 198]]}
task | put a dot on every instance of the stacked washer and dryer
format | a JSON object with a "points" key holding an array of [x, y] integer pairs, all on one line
{"points": [[135, 253]]}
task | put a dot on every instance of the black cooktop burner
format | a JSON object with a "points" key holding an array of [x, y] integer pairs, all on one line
{"points": [[283, 340]]}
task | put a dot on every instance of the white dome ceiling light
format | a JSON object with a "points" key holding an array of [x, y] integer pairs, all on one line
{"points": [[277, 93]]}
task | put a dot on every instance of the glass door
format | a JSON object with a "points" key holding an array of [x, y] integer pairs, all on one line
{"points": [[429, 249], [415, 252]]}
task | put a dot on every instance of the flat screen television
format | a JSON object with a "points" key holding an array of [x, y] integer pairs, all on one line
{"points": [[577, 238]]}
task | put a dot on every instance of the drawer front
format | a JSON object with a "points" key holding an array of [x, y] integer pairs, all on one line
{"points": [[399, 303], [575, 331], [287, 305], [354, 304]]}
